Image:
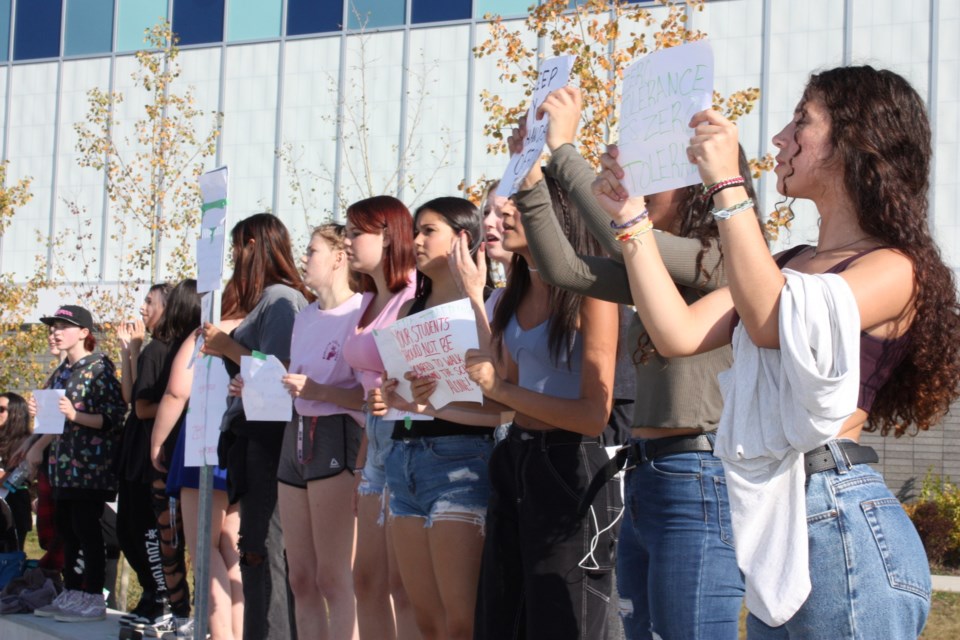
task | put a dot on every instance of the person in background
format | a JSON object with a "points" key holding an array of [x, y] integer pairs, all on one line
{"points": [[132, 333], [266, 289], [320, 445], [14, 432], [379, 246], [80, 461]]}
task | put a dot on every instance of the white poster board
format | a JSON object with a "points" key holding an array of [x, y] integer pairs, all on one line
{"points": [[49, 419], [432, 344], [661, 92], [208, 402], [554, 74]]}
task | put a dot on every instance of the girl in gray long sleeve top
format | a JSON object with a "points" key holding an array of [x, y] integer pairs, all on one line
{"points": [[676, 569]]}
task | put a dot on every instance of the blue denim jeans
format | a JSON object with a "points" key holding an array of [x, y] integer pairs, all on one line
{"points": [[676, 569], [546, 570], [869, 573], [440, 478], [374, 475]]}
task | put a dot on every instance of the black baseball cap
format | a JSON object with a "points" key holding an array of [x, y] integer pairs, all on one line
{"points": [[72, 314]]}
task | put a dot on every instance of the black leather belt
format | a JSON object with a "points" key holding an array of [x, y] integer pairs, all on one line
{"points": [[821, 458], [636, 453]]}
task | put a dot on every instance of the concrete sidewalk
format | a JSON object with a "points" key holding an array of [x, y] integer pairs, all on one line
{"points": [[946, 583], [26, 626]]}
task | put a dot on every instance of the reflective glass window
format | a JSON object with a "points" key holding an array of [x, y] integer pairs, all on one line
{"points": [[314, 16], [369, 14], [439, 10], [37, 30], [4, 29], [501, 7], [198, 21], [252, 19], [134, 17], [89, 27]]}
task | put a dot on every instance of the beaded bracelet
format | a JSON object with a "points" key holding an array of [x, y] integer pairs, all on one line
{"points": [[633, 234], [711, 190], [629, 223], [729, 212]]}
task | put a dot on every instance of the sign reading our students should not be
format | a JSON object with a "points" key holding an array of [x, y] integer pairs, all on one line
{"points": [[661, 93]]}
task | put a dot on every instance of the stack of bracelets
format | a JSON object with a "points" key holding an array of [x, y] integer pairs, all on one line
{"points": [[633, 228], [713, 189]]}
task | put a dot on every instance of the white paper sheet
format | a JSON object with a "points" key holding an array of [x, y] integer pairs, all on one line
{"points": [[208, 402], [49, 419], [264, 396]]}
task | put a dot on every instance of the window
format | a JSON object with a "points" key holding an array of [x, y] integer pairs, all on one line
{"points": [[198, 21], [369, 14], [134, 17], [313, 16], [37, 32], [440, 10], [253, 19], [89, 27]]}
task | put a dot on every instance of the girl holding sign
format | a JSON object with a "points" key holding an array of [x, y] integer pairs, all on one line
{"points": [[672, 478], [379, 246], [80, 461], [321, 443], [437, 470], [860, 331], [547, 562]]}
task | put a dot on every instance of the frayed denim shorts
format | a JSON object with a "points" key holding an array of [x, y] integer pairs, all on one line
{"points": [[373, 478], [440, 478]]}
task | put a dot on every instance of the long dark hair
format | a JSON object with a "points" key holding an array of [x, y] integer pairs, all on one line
{"points": [[881, 140], [181, 316], [389, 217], [262, 256], [564, 305], [17, 426], [461, 215]]}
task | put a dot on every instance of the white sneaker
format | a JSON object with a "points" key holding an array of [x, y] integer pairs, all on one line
{"points": [[66, 597], [184, 629], [89, 607]]}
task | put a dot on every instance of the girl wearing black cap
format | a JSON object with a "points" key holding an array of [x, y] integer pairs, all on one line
{"points": [[80, 458]]}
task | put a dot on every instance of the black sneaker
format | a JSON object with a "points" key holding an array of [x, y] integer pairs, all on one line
{"points": [[146, 610]]}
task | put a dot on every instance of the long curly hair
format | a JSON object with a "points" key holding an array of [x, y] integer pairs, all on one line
{"points": [[881, 137]]}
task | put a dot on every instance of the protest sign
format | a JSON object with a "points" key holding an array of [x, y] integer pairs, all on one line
{"points": [[49, 419], [554, 74], [432, 344], [213, 230], [264, 396], [661, 92], [208, 402]]}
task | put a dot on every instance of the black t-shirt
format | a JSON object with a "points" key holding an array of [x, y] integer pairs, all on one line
{"points": [[153, 372]]}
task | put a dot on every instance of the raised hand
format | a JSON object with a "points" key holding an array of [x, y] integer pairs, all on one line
{"points": [[563, 106], [469, 272], [714, 147]]}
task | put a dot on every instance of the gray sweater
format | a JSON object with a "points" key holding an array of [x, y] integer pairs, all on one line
{"points": [[670, 392]]}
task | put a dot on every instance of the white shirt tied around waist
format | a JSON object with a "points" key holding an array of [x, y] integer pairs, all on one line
{"points": [[779, 404]]}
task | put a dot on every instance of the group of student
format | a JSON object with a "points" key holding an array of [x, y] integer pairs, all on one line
{"points": [[744, 479]]}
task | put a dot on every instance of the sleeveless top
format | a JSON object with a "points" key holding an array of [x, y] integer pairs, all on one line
{"points": [[878, 356], [538, 369], [438, 426]]}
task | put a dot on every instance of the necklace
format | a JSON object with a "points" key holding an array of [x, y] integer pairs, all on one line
{"points": [[817, 249]]}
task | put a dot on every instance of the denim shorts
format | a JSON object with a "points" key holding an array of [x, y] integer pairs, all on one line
{"points": [[373, 477], [869, 573], [440, 478]]}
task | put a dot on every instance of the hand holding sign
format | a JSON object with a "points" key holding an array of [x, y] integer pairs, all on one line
{"points": [[661, 93], [563, 106], [714, 148]]}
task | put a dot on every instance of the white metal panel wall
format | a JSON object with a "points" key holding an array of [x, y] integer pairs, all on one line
{"points": [[30, 149], [374, 67], [311, 72], [436, 111], [249, 126], [78, 188], [947, 135]]}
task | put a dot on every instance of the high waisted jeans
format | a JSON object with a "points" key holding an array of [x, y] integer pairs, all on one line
{"points": [[676, 570], [546, 573], [868, 569]]}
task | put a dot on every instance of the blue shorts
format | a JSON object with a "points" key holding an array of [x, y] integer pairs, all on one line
{"points": [[373, 478], [440, 478]]}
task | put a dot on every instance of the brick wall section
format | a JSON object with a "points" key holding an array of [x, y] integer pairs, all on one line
{"points": [[905, 461]]}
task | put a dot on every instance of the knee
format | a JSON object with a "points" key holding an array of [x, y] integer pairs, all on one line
{"points": [[251, 559], [398, 593], [303, 583], [331, 582], [369, 582]]}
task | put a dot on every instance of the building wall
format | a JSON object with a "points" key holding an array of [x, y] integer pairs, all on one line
{"points": [[276, 69]]}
